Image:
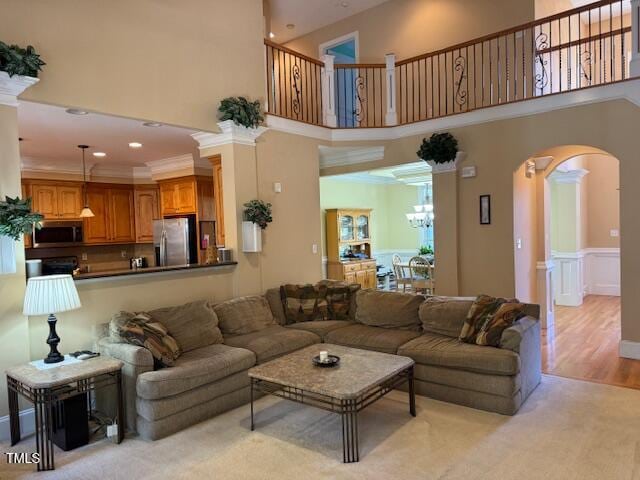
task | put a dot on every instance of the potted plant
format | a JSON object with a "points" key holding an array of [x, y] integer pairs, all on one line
{"points": [[241, 111], [425, 250], [19, 68], [257, 215], [17, 218], [440, 151]]}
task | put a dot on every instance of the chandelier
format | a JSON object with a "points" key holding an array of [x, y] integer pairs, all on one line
{"points": [[421, 217]]}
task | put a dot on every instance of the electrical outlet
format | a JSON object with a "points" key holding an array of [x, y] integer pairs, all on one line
{"points": [[614, 232], [519, 243], [84, 256], [123, 253], [112, 430]]}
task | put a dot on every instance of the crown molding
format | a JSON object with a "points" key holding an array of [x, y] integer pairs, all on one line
{"points": [[569, 177], [30, 164], [362, 177], [339, 156], [12, 87], [230, 134]]}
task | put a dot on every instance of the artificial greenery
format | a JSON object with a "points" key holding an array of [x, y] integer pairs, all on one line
{"points": [[16, 60], [440, 148], [16, 217], [425, 250], [258, 212], [241, 111]]}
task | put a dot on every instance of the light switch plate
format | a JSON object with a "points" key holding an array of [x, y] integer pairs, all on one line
{"points": [[614, 232], [519, 243], [84, 256], [277, 187], [314, 248]]}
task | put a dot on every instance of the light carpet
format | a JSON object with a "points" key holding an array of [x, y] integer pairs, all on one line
{"points": [[568, 429]]}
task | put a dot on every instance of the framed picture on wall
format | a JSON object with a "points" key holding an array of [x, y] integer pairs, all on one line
{"points": [[485, 209]]}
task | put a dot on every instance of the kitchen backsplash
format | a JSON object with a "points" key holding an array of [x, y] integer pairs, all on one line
{"points": [[98, 257]]}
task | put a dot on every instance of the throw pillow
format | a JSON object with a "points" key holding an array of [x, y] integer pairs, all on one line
{"points": [[244, 315], [491, 332], [193, 325], [144, 331], [304, 303], [340, 300], [388, 309], [480, 312]]}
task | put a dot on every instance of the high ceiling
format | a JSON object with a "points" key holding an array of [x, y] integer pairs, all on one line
{"points": [[310, 15], [51, 135]]}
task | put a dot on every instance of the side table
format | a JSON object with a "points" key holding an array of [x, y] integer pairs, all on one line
{"points": [[44, 388]]}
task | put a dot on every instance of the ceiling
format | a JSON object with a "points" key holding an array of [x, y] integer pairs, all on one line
{"points": [[416, 174], [50, 136], [310, 15]]}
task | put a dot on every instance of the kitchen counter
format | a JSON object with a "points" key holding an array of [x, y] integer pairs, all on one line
{"points": [[149, 270]]}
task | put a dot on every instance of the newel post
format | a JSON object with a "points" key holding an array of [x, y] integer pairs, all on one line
{"points": [[328, 92], [634, 67], [392, 116]]}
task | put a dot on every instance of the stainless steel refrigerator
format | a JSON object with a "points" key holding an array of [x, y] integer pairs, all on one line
{"points": [[175, 241]]}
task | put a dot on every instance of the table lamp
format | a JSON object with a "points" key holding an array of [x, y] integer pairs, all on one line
{"points": [[49, 295]]}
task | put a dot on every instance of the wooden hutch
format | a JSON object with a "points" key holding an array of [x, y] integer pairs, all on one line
{"points": [[349, 233]]}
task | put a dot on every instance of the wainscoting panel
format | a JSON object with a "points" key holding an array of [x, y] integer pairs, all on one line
{"points": [[602, 271], [568, 278]]}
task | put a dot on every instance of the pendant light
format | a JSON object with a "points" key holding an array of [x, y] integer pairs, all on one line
{"points": [[86, 211]]}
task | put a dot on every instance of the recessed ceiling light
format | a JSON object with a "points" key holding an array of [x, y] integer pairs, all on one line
{"points": [[344, 4], [135, 145], [75, 111], [99, 154], [152, 124], [291, 26], [272, 35]]}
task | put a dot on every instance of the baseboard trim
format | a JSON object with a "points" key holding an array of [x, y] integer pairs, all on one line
{"points": [[629, 349], [27, 425]]}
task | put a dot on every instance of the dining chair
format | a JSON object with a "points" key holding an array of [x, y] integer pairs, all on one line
{"points": [[421, 273], [399, 273]]}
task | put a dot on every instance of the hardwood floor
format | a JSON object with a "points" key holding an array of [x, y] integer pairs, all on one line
{"points": [[585, 344]]}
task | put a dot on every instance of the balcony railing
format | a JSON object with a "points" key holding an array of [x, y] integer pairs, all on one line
{"points": [[581, 48]]}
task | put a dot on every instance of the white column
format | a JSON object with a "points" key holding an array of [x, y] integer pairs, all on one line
{"points": [[545, 293], [328, 92], [635, 35], [392, 116]]}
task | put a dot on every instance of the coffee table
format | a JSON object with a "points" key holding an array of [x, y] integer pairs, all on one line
{"points": [[361, 378]]}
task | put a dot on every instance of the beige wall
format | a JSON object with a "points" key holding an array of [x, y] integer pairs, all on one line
{"points": [[167, 61], [413, 27], [524, 233]]}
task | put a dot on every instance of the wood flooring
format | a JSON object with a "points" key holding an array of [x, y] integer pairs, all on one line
{"points": [[585, 343]]}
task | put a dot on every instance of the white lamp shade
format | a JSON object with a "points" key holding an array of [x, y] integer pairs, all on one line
{"points": [[86, 213], [50, 294]]}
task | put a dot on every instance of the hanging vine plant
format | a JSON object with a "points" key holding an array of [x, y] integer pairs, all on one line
{"points": [[17, 218], [241, 111], [258, 212], [439, 148]]}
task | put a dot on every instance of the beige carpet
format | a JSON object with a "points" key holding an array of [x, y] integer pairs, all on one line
{"points": [[568, 429]]}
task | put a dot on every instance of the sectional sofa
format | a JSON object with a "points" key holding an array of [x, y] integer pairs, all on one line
{"points": [[221, 342]]}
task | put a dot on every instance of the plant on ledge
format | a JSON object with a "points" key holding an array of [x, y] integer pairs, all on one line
{"points": [[440, 148], [241, 111], [16, 60], [16, 217], [425, 250], [258, 212]]}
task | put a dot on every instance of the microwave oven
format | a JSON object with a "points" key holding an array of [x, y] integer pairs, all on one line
{"points": [[58, 233]]}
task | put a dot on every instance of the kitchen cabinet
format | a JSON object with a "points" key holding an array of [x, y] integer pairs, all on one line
{"points": [[56, 200], [147, 210], [179, 196], [114, 220]]}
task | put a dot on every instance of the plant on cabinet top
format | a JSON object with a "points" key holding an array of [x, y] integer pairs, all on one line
{"points": [[16, 60]]}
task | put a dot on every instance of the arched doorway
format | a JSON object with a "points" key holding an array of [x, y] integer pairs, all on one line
{"points": [[567, 258]]}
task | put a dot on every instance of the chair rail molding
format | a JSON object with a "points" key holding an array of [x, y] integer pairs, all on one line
{"points": [[230, 133], [12, 87]]}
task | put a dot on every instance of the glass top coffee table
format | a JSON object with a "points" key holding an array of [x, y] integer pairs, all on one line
{"points": [[361, 378]]}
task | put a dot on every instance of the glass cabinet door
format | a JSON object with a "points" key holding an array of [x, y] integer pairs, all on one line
{"points": [[363, 227], [346, 228]]}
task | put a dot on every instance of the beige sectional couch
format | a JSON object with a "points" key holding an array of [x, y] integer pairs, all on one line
{"points": [[211, 377]]}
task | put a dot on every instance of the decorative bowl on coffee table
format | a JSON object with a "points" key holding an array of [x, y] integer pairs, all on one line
{"points": [[332, 361]]}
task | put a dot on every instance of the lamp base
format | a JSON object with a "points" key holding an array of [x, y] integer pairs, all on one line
{"points": [[53, 340]]}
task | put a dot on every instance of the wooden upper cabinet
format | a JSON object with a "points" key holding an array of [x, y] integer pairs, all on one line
{"points": [[146, 211], [186, 192], [168, 199], [113, 207], [57, 200], [122, 215], [179, 196], [217, 198]]}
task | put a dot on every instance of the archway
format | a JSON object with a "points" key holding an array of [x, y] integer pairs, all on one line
{"points": [[566, 250]]}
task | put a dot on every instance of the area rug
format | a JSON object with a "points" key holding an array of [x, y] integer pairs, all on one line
{"points": [[568, 429]]}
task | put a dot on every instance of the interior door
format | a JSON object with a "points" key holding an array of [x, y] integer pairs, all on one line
{"points": [[344, 52]]}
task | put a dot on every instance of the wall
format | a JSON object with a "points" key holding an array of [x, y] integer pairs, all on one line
{"points": [[162, 60], [524, 228], [389, 227], [413, 27], [603, 201]]}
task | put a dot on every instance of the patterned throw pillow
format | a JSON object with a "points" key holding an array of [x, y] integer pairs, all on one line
{"points": [[340, 300], [484, 306], [142, 330], [304, 303], [491, 332]]}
